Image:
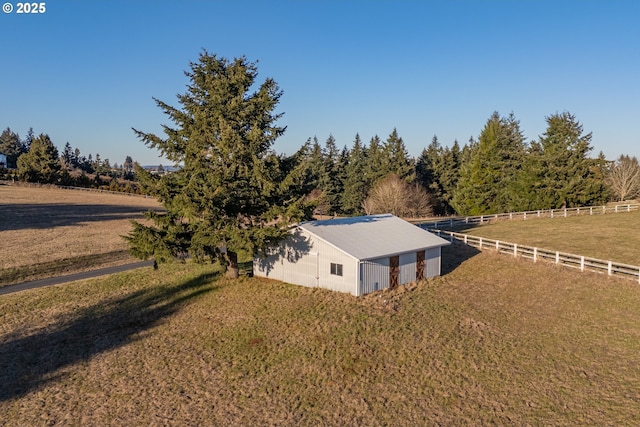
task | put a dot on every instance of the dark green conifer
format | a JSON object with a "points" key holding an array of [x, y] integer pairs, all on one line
{"points": [[232, 194]]}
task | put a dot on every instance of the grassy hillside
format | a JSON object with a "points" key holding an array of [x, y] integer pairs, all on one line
{"points": [[496, 340], [614, 237]]}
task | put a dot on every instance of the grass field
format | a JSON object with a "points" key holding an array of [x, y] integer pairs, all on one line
{"points": [[46, 232], [614, 237], [495, 341]]}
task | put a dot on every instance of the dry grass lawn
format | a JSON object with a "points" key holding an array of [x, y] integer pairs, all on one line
{"points": [[46, 231], [495, 341], [614, 237]]}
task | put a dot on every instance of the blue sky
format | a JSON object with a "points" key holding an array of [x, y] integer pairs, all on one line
{"points": [[85, 71]]}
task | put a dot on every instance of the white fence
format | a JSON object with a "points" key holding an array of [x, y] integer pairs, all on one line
{"points": [[551, 213], [579, 262]]}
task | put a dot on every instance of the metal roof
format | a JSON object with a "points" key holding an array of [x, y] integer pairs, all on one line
{"points": [[373, 236]]}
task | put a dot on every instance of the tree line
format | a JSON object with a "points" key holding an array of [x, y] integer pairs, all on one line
{"points": [[498, 172], [37, 159]]}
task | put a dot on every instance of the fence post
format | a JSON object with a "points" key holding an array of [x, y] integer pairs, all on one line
{"points": [[535, 255], [581, 263], [616, 209], [565, 212], [481, 243], [525, 216], [498, 245], [591, 210], [609, 269], [551, 213], [515, 250], [557, 257]]}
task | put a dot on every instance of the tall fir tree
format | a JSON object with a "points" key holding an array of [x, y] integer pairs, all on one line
{"points": [[485, 179], [355, 183], [449, 176], [428, 167], [232, 195], [563, 173], [376, 167], [41, 163], [330, 182], [396, 158]]}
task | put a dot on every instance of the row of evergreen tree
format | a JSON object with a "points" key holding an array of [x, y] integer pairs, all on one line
{"points": [[498, 172], [37, 159]]}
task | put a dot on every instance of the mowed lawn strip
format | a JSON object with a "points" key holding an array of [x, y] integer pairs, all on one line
{"points": [[46, 232], [611, 237], [496, 341]]}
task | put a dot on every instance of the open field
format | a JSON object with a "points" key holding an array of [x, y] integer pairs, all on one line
{"points": [[494, 341], [46, 232], [614, 237]]}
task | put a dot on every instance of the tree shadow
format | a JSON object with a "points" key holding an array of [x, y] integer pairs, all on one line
{"points": [[30, 362], [35, 216], [292, 248], [455, 254]]}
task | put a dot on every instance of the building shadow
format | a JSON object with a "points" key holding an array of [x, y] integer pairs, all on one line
{"points": [[455, 254], [28, 362]]}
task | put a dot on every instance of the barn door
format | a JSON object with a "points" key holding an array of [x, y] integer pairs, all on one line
{"points": [[394, 271], [420, 265]]}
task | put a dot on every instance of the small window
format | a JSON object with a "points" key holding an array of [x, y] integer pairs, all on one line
{"points": [[336, 269]]}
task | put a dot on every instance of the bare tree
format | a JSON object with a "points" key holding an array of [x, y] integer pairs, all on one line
{"points": [[624, 178], [395, 196]]}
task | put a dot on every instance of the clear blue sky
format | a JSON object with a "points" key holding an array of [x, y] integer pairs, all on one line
{"points": [[85, 71]]}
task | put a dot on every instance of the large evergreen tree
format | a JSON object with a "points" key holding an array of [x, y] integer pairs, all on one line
{"points": [[396, 158], [564, 175], [41, 163], [232, 194], [355, 184], [330, 182], [486, 179]]}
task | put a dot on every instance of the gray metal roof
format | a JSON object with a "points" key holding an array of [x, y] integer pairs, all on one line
{"points": [[373, 236]]}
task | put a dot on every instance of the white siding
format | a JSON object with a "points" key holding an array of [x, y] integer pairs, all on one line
{"points": [[305, 272], [374, 275], [306, 261], [348, 282], [407, 268], [432, 261]]}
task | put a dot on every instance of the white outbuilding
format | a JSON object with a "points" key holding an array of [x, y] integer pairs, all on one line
{"points": [[355, 255]]}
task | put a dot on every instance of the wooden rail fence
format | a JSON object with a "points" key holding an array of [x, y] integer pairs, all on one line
{"points": [[550, 213], [579, 262]]}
